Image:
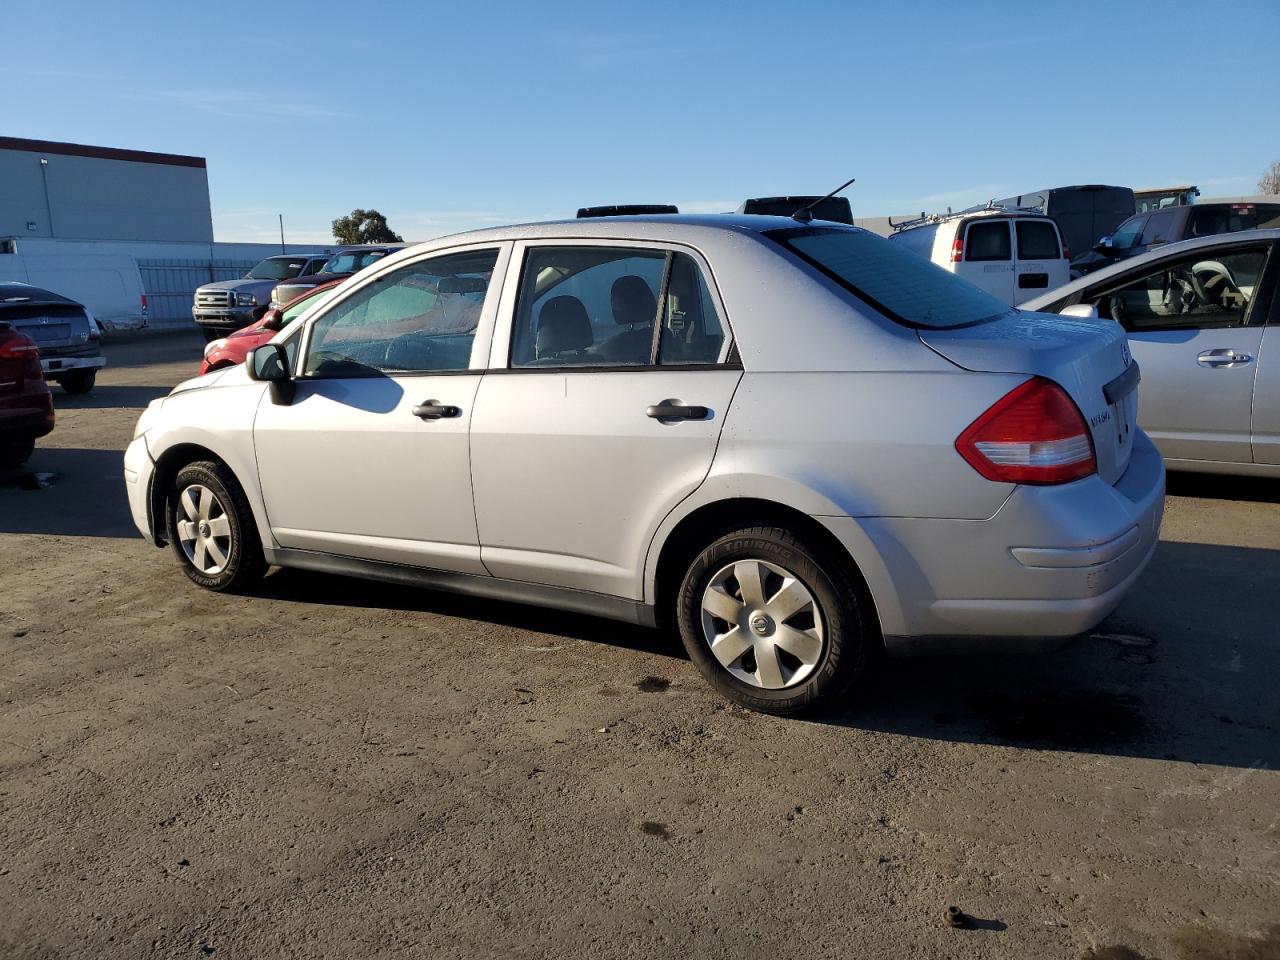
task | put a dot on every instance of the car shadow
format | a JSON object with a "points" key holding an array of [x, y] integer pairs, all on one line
{"points": [[107, 396], [301, 586], [1185, 670], [66, 491], [1167, 677], [1220, 487], [152, 347]]}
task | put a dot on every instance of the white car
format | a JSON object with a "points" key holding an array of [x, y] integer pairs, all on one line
{"points": [[798, 442], [1013, 256]]}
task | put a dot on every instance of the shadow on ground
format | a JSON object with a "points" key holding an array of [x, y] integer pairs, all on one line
{"points": [[1213, 487], [108, 396], [68, 492]]}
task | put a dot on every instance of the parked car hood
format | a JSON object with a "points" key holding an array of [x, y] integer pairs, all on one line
{"points": [[1080, 354]]}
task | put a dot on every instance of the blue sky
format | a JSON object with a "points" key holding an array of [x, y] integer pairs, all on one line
{"points": [[448, 116]]}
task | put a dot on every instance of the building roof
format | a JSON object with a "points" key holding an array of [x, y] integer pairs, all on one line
{"points": [[99, 153]]}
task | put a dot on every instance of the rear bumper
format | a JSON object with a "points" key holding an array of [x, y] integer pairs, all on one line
{"points": [[139, 469], [1052, 563], [52, 366], [25, 417]]}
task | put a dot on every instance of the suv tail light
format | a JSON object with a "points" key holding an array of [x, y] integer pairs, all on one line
{"points": [[1033, 434], [20, 347], [957, 249]]}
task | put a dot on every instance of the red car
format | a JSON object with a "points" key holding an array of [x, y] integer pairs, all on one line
{"points": [[26, 405], [232, 349]]}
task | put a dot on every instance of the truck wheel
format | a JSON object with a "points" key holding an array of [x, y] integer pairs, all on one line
{"points": [[774, 624], [13, 454], [212, 529], [210, 334], [78, 382]]}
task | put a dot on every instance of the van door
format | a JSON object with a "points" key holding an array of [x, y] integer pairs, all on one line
{"points": [[1039, 263], [988, 257]]}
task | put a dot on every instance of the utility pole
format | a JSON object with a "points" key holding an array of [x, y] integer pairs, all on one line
{"points": [[281, 216]]}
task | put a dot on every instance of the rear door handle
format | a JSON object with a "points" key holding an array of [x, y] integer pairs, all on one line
{"points": [[675, 410], [435, 410], [1222, 357]]}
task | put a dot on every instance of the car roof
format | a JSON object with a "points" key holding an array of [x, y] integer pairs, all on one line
{"points": [[1164, 252], [16, 289], [687, 227]]}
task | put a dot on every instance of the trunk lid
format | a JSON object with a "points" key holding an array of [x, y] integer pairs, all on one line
{"points": [[54, 325], [1088, 358]]}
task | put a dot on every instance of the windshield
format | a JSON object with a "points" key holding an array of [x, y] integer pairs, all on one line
{"points": [[277, 268], [902, 285], [351, 262], [302, 304]]}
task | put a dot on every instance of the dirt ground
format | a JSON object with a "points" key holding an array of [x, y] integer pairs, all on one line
{"points": [[333, 768]]}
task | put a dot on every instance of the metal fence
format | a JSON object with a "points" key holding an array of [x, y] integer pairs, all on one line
{"points": [[170, 286]]}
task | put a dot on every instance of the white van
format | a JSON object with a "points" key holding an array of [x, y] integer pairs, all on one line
{"points": [[109, 285], [1012, 256]]}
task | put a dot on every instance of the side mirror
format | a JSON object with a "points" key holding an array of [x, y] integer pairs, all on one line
{"points": [[1103, 245], [269, 363], [1088, 310]]}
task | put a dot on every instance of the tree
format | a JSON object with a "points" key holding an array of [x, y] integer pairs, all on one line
{"points": [[1270, 182], [364, 226]]}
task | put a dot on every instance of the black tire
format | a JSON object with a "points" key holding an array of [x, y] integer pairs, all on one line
{"points": [[210, 334], [851, 636], [15, 453], [78, 382], [245, 562]]}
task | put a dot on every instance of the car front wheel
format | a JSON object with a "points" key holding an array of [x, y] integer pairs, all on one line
{"points": [[211, 528], [772, 623]]}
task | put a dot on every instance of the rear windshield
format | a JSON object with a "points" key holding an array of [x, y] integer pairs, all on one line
{"points": [[1207, 221], [1037, 240], [351, 262], [276, 269], [902, 285]]}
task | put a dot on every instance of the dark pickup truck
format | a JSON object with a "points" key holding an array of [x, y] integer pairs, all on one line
{"points": [[1148, 230], [344, 263]]}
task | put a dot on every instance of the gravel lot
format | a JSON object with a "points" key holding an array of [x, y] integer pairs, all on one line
{"points": [[333, 768]]}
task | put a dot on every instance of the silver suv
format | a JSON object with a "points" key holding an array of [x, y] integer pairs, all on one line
{"points": [[798, 443]]}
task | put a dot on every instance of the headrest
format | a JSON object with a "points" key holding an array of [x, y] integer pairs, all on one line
{"points": [[632, 301], [563, 325]]}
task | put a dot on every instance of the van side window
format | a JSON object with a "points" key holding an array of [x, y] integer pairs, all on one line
{"points": [[988, 241]]}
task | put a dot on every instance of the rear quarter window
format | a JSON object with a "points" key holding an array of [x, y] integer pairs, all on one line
{"points": [[906, 288]]}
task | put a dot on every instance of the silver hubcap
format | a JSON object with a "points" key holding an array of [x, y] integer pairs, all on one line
{"points": [[762, 624], [204, 529]]}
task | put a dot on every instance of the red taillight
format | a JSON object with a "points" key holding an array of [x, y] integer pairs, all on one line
{"points": [[1066, 251], [957, 249], [17, 346], [144, 304], [1033, 434]]}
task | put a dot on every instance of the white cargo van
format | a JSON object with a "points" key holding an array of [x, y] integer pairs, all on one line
{"points": [[109, 285], [1013, 256]]}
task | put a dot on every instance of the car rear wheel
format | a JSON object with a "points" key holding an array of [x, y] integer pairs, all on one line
{"points": [[212, 530], [772, 623], [16, 453], [78, 381]]}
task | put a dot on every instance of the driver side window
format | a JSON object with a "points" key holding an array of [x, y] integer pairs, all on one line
{"points": [[1197, 292], [419, 318]]}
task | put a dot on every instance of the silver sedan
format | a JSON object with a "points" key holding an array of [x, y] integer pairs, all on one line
{"points": [[1203, 321], [795, 442]]}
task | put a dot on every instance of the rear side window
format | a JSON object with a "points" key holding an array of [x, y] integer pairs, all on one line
{"points": [[902, 285], [1037, 240], [988, 241]]}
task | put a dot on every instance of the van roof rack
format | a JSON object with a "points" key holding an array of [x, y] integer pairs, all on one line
{"points": [[626, 210], [989, 207]]}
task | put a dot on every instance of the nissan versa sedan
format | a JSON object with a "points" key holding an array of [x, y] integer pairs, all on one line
{"points": [[797, 443], [1203, 321]]}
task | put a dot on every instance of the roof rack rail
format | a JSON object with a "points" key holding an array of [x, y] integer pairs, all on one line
{"points": [[626, 210], [989, 207]]}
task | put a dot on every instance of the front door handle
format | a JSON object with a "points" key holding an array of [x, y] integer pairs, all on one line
{"points": [[675, 410], [435, 410], [1222, 357]]}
